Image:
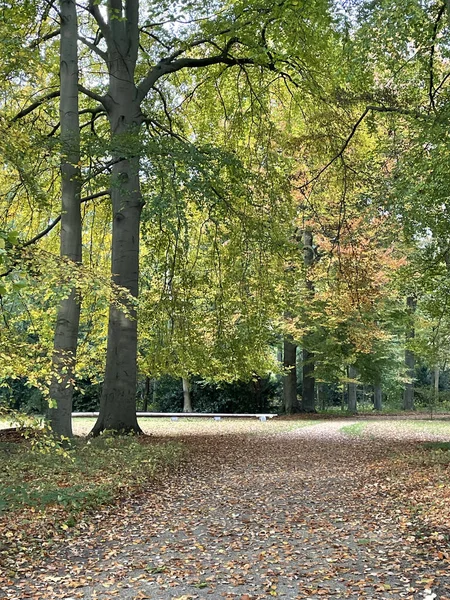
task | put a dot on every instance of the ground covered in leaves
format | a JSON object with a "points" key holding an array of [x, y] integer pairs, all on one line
{"points": [[336, 509]]}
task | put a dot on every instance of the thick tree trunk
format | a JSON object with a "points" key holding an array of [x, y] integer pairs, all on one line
{"points": [[68, 318], [377, 397], [410, 359], [187, 405], [352, 389], [290, 379], [118, 401], [308, 396]]}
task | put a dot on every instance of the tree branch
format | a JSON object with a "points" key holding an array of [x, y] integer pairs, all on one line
{"points": [[52, 225], [94, 10], [431, 90], [169, 65], [26, 111], [92, 95], [44, 38], [58, 219], [93, 47], [368, 109]]}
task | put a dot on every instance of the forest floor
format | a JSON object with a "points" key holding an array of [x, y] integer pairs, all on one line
{"points": [[336, 509]]}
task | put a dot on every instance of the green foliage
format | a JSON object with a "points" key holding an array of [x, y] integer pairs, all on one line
{"points": [[257, 395]]}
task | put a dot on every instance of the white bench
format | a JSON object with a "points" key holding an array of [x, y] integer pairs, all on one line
{"points": [[178, 415]]}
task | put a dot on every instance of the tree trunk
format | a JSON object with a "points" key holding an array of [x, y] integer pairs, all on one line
{"points": [[68, 318], [436, 383], [308, 395], [410, 359], [290, 379], [377, 397], [352, 389], [118, 401], [147, 393], [187, 405]]}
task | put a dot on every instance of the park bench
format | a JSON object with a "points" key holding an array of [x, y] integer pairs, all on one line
{"points": [[178, 415]]}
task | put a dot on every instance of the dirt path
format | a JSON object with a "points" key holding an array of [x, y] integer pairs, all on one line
{"points": [[293, 515]]}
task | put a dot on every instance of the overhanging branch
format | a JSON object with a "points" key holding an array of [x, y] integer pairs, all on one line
{"points": [[172, 64], [368, 109], [55, 222], [26, 111]]}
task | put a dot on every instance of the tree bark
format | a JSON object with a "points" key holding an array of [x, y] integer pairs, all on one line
{"points": [[187, 405], [308, 394], [147, 392], [377, 397], [68, 318], [410, 359], [118, 401], [352, 389], [436, 383], [290, 379]]}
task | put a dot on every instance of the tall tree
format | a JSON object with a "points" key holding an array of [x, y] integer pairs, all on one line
{"points": [[352, 389], [68, 318], [308, 395], [228, 40], [410, 359], [290, 377]]}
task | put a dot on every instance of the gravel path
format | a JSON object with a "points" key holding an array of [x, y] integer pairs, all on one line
{"points": [[295, 515]]}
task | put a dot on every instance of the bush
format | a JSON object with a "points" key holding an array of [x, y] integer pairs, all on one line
{"points": [[258, 395]]}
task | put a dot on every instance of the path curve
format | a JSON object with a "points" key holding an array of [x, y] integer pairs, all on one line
{"points": [[295, 515]]}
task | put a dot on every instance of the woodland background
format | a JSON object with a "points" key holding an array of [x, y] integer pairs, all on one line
{"points": [[267, 182]]}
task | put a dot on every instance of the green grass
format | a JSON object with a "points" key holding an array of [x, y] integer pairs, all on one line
{"points": [[89, 474], [443, 446], [354, 430], [429, 426]]}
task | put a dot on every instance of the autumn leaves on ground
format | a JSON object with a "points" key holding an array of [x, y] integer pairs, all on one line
{"points": [[247, 510]]}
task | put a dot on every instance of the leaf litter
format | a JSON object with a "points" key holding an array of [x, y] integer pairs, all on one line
{"points": [[304, 514]]}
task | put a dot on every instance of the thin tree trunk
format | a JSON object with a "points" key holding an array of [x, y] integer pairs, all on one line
{"points": [[436, 383], [410, 359], [290, 379], [147, 392], [68, 318], [377, 397], [352, 390], [308, 395], [187, 405]]}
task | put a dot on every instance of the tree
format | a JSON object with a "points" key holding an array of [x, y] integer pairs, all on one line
{"points": [[308, 395], [187, 405], [352, 389], [410, 360], [68, 318], [290, 377]]}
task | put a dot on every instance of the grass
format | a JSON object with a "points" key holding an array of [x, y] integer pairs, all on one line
{"points": [[443, 446], [432, 426], [354, 430], [89, 474]]}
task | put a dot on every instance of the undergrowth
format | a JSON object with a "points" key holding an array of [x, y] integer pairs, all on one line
{"points": [[88, 474]]}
